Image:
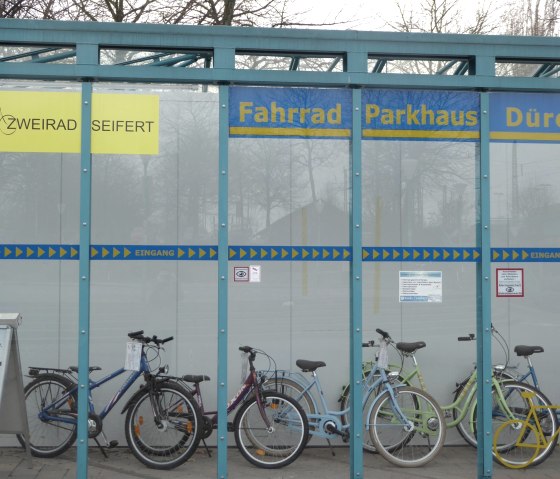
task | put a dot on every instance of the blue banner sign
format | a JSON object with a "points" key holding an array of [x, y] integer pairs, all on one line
{"points": [[420, 115], [526, 117], [290, 112], [275, 253]]}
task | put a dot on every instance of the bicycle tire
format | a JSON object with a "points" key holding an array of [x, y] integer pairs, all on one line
{"points": [[422, 411], [522, 444], [50, 438], [283, 443], [520, 407], [293, 389], [174, 440]]}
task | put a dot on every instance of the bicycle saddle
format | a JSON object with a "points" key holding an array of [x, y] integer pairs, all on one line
{"points": [[411, 347], [92, 368], [190, 378], [528, 350], [309, 366]]}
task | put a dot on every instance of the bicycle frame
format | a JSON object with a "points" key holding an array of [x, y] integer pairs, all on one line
{"points": [[144, 368]]}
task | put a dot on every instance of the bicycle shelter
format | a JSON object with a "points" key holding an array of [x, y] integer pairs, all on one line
{"points": [[291, 188]]}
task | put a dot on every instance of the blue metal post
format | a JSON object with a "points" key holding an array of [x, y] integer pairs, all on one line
{"points": [[223, 281], [84, 287], [356, 440], [484, 300]]}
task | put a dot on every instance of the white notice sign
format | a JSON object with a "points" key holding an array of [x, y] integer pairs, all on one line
{"points": [[133, 354], [509, 282], [420, 287], [255, 273]]}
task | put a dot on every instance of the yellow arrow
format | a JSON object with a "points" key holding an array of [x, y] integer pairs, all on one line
{"points": [[304, 253], [346, 253], [505, 255], [325, 253], [201, 253], [127, 252], [396, 254], [52, 252], [29, 251], [73, 252], [116, 252], [242, 253], [19, 251], [475, 254], [445, 254], [192, 252], [7, 251], [231, 252], [273, 253], [436, 254], [426, 254], [375, 254], [295, 252], [495, 255], [365, 253], [62, 252], [104, 252], [315, 253], [93, 252], [180, 253], [455, 254], [524, 255], [415, 254], [40, 252], [252, 253], [284, 253], [405, 254], [213, 252], [466, 254], [515, 255], [263, 253], [385, 254], [335, 254]]}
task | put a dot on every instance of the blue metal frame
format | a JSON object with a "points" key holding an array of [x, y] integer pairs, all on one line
{"points": [[73, 51]]}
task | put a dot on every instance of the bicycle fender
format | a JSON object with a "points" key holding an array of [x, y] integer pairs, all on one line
{"points": [[134, 398]]}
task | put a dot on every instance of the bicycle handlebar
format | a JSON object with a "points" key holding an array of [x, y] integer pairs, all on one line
{"points": [[470, 337], [139, 336], [384, 334], [369, 344], [246, 349]]}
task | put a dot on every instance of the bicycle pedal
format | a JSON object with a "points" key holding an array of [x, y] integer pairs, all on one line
{"points": [[230, 427], [112, 444]]}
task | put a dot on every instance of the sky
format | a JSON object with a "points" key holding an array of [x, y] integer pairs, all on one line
{"points": [[375, 14]]}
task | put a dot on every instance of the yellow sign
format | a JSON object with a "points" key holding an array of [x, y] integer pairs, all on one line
{"points": [[50, 122]]}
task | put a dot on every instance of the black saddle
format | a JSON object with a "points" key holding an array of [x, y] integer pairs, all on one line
{"points": [[309, 366], [411, 347], [191, 378], [528, 350]]}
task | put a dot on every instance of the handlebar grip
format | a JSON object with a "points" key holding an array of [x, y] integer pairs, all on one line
{"points": [[382, 333], [369, 344], [245, 349], [464, 338], [170, 338], [135, 334]]}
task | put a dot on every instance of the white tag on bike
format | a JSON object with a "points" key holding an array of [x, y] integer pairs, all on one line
{"points": [[383, 359], [133, 354]]}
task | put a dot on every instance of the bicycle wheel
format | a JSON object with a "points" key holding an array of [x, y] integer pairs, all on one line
{"points": [[163, 426], [517, 405], [293, 389], [394, 440], [277, 445], [45, 395], [516, 444]]}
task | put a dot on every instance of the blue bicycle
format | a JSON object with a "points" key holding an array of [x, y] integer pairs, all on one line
{"points": [[163, 422]]}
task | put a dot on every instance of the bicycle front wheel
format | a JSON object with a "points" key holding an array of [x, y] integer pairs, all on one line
{"points": [[272, 436], [163, 426], [51, 414], [516, 444], [409, 443]]}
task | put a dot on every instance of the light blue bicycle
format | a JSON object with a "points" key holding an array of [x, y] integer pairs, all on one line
{"points": [[403, 423]]}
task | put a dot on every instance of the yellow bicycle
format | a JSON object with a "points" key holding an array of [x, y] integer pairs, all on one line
{"points": [[519, 442]]}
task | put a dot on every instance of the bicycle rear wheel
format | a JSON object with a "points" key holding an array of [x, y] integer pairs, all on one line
{"points": [[275, 446], [44, 397], [516, 444], [412, 444], [163, 426]]}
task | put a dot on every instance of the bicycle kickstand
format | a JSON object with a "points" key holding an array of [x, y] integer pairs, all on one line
{"points": [[206, 447]]}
